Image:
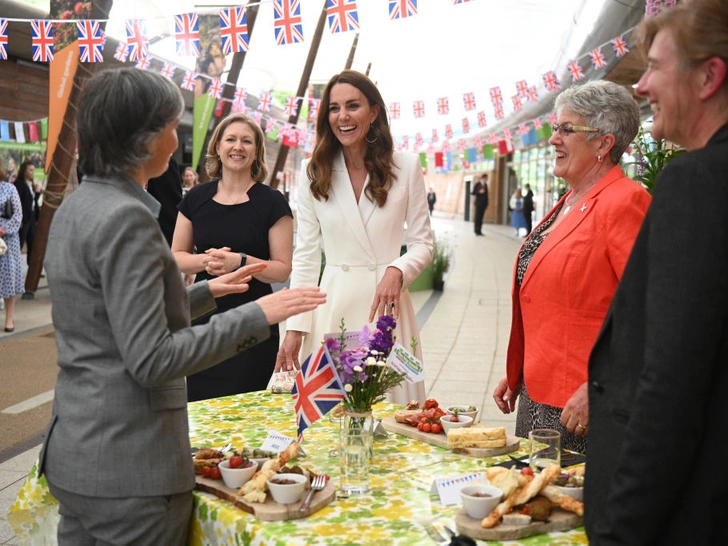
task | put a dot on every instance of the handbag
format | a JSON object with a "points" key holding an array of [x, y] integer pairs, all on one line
{"points": [[8, 209], [3, 246]]}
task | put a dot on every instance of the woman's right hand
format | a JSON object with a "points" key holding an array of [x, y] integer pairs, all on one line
{"points": [[287, 358], [505, 397]]}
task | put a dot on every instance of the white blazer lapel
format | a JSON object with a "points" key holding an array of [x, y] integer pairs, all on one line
{"points": [[344, 194]]}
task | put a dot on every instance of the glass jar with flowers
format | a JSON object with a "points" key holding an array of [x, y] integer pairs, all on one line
{"points": [[360, 360]]}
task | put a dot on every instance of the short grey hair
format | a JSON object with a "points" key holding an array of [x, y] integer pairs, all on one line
{"points": [[607, 106], [121, 112]]}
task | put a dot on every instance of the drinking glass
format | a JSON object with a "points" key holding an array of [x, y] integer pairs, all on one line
{"points": [[544, 448]]}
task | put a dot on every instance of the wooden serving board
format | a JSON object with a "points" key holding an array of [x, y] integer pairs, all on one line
{"points": [[390, 424], [559, 520], [269, 510]]}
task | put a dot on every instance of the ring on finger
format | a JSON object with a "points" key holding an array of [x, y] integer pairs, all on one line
{"points": [[582, 427], [390, 304]]}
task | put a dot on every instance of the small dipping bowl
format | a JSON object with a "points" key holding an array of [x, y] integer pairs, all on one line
{"points": [[447, 424], [462, 410], [287, 493], [235, 478], [480, 500]]}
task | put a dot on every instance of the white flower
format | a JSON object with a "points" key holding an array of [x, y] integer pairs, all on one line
{"points": [[371, 361], [374, 352], [348, 387], [358, 369]]}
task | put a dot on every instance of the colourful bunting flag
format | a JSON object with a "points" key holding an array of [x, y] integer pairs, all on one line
{"points": [[419, 108], [523, 128], [537, 123], [488, 151], [507, 134], [551, 81], [287, 22], [471, 154], [33, 131], [469, 101], [443, 106], [461, 145], [265, 101], [575, 71], [438, 159], [533, 94], [3, 39], [143, 64], [167, 70], [597, 58], [136, 39], [522, 88], [291, 106], [481, 119], [495, 96], [19, 132], [552, 118], [4, 131], [446, 146], [400, 9], [516, 103], [499, 114], [434, 135], [314, 108], [423, 160], [90, 41], [620, 46], [42, 41], [240, 95], [478, 141], [188, 82], [342, 15], [394, 110], [215, 89], [122, 52], [234, 29], [418, 139], [466, 125], [448, 131], [187, 35]]}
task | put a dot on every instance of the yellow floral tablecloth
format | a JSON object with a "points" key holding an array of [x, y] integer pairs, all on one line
{"points": [[399, 499]]}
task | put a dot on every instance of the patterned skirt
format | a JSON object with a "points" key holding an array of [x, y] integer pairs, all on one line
{"points": [[532, 415]]}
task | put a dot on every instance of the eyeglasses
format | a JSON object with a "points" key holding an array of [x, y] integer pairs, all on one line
{"points": [[566, 129]]}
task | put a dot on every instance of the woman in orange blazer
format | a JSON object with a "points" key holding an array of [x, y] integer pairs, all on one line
{"points": [[568, 268]]}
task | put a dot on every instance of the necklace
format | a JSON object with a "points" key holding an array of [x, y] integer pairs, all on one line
{"points": [[233, 201], [568, 205]]}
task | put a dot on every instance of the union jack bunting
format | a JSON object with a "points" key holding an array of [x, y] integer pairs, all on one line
{"points": [[446, 146], [316, 390], [443, 105], [431, 149], [507, 134], [522, 88], [399, 9], [448, 131], [291, 106], [419, 108], [575, 71], [257, 117], [265, 101], [234, 29], [187, 35], [418, 139], [122, 52], [492, 139], [495, 96], [136, 39], [523, 129], [537, 123], [620, 46], [456, 2], [597, 58], [478, 141], [3, 39], [434, 135], [394, 110], [551, 81], [42, 41], [469, 101], [461, 145], [215, 89], [466, 125], [405, 142], [499, 113], [240, 95], [188, 82], [517, 103], [143, 64], [90, 41], [342, 15], [552, 118], [287, 22], [167, 70], [532, 93], [481, 119], [314, 108]]}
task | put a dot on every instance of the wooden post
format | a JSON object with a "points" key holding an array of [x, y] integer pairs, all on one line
{"points": [[63, 161], [302, 87], [350, 60]]}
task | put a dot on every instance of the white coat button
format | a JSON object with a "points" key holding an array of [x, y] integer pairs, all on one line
{"points": [[372, 267], [345, 267]]}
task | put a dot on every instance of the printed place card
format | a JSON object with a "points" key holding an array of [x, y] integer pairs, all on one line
{"points": [[449, 488], [276, 442], [404, 362]]}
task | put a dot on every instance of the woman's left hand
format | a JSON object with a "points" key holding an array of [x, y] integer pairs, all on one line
{"points": [[575, 415], [220, 261], [386, 298], [235, 282]]}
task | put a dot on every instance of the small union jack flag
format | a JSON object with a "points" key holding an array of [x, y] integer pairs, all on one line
{"points": [[575, 71], [342, 15], [265, 101], [143, 64], [434, 135], [532, 94], [523, 129], [291, 106], [478, 141], [314, 108], [431, 148], [481, 119], [136, 39], [466, 125], [507, 134], [90, 41], [443, 105], [167, 70], [620, 46], [42, 41], [215, 89], [537, 123], [419, 108], [187, 35], [553, 118], [4, 39], [257, 117], [522, 88], [551, 81], [122, 52], [234, 29], [461, 145], [499, 113], [287, 22], [405, 142], [394, 110], [517, 103], [492, 139], [239, 100], [469, 101], [448, 131], [188, 82], [495, 96], [597, 58], [418, 139], [446, 146], [317, 389], [456, 2], [400, 9]]}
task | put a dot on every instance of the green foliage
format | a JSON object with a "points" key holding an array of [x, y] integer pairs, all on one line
{"points": [[441, 260], [654, 156]]}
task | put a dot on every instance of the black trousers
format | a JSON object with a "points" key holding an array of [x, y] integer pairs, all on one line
{"points": [[478, 220]]}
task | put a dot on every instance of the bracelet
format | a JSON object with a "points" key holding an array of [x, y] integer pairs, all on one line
{"points": [[243, 259]]}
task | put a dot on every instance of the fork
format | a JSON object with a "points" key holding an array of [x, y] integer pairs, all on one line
{"points": [[434, 533], [318, 483]]}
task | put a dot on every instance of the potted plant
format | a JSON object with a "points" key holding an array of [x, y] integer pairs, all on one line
{"points": [[440, 264], [654, 156]]}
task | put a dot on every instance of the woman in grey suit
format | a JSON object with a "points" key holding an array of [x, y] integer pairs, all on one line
{"points": [[117, 452]]}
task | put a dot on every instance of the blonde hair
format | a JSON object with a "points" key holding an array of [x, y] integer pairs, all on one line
{"points": [[213, 165]]}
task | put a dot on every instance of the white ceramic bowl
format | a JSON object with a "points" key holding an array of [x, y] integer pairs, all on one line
{"points": [[287, 493], [574, 492], [462, 410], [447, 424], [235, 478], [478, 507]]}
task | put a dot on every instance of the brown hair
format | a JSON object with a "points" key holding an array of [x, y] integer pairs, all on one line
{"points": [[213, 165], [3, 172], [379, 160]]}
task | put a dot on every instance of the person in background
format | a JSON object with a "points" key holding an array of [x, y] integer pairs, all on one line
{"points": [[167, 190], [658, 373], [189, 180], [25, 185], [354, 196], [234, 220], [480, 191], [11, 269], [518, 218], [568, 268], [528, 208], [431, 199], [116, 453]]}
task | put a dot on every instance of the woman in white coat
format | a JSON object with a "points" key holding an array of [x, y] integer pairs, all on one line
{"points": [[354, 196]]}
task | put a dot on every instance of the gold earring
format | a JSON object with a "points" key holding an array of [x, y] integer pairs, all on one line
{"points": [[599, 158]]}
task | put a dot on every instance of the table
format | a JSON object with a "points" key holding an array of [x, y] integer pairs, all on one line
{"points": [[401, 474]]}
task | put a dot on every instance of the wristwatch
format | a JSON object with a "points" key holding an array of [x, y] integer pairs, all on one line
{"points": [[243, 259]]}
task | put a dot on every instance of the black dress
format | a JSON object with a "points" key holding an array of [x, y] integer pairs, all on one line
{"points": [[243, 228]]}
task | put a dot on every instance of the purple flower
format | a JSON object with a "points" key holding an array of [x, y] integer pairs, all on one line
{"points": [[386, 322], [332, 345]]}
